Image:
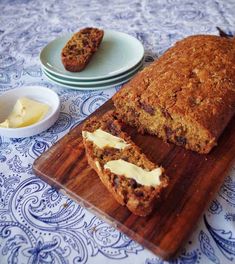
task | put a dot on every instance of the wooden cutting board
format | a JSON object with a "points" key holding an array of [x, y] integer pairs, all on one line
{"points": [[194, 180]]}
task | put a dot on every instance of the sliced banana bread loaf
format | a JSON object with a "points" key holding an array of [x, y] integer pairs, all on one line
{"points": [[127, 173], [187, 96], [79, 49]]}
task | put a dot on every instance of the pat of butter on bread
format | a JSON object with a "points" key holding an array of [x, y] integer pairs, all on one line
{"points": [[129, 170], [103, 139]]}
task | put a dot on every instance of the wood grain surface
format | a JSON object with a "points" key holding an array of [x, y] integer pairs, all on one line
{"points": [[194, 180]]}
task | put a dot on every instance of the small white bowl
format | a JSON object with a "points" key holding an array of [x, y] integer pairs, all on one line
{"points": [[38, 93]]}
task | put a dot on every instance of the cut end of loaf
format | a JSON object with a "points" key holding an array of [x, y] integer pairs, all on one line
{"points": [[171, 128]]}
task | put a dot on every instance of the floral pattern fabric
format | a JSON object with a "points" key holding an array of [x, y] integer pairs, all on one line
{"points": [[38, 224]]}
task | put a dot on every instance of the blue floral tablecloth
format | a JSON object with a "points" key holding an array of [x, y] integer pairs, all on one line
{"points": [[39, 224]]}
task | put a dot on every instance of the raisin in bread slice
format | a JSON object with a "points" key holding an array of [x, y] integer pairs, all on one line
{"points": [[79, 49], [126, 172]]}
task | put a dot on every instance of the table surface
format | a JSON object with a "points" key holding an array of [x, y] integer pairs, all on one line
{"points": [[41, 225]]}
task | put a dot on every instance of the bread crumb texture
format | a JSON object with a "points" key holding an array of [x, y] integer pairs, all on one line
{"points": [[187, 96], [140, 199]]}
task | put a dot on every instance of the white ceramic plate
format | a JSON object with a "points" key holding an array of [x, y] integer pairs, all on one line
{"points": [[118, 53], [38, 93], [84, 87]]}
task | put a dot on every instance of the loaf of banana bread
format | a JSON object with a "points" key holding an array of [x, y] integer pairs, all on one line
{"points": [[128, 174], [79, 49], [187, 96]]}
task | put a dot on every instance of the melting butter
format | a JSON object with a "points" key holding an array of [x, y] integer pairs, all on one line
{"points": [[104, 139], [129, 170], [25, 112]]}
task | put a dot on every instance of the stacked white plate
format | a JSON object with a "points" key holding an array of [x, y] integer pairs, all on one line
{"points": [[118, 59]]}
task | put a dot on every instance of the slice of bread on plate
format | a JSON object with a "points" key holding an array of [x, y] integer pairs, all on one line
{"points": [[80, 48]]}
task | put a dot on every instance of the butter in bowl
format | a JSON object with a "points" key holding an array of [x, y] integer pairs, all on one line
{"points": [[28, 111]]}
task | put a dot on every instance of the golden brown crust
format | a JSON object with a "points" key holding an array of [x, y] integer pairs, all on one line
{"points": [[79, 49], [189, 91], [138, 198]]}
